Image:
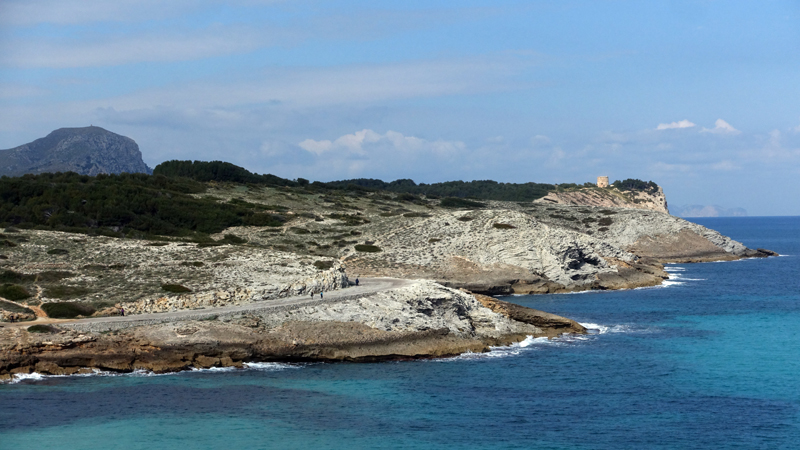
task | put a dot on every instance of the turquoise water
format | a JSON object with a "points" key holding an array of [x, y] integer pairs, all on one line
{"points": [[710, 361]]}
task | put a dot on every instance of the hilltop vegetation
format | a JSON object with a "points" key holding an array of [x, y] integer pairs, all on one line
{"points": [[174, 201]]}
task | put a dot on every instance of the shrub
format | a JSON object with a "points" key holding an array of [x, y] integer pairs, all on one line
{"points": [[234, 239], [57, 251], [416, 214], [65, 292], [42, 329], [465, 218], [67, 310], [605, 221], [264, 220], [434, 240], [503, 226], [156, 244], [368, 248], [298, 230], [602, 229], [7, 243], [455, 202], [209, 244], [589, 219], [607, 212], [14, 292], [323, 265], [14, 308], [193, 263], [175, 288]]}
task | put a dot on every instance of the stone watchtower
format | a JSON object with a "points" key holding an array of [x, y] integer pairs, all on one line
{"points": [[602, 182]]}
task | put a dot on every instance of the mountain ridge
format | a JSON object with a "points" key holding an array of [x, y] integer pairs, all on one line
{"points": [[87, 150]]}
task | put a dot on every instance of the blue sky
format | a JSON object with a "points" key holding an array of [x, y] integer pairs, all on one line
{"points": [[700, 96]]}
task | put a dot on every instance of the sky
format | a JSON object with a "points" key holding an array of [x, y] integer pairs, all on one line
{"points": [[702, 97]]}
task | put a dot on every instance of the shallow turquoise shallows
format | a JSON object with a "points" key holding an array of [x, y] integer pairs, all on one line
{"points": [[711, 360]]}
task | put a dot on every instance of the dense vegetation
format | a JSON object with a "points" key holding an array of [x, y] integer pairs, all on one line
{"points": [[483, 189], [219, 171], [122, 204], [632, 184]]}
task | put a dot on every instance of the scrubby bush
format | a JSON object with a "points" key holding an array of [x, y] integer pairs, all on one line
{"points": [[465, 218], [454, 202], [175, 288], [416, 214], [434, 240], [58, 251], [323, 265], [14, 292], [233, 239], [65, 292], [503, 226], [368, 248], [67, 310], [605, 221], [42, 329]]}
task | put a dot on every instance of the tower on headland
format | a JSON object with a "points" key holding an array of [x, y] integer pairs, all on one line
{"points": [[602, 181]]}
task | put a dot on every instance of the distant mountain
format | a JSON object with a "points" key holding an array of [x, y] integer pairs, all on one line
{"points": [[707, 211], [87, 151]]}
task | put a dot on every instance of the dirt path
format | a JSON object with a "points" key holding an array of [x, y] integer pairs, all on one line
{"points": [[366, 286]]}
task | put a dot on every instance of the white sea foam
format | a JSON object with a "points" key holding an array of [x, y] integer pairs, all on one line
{"points": [[674, 269], [271, 366]]}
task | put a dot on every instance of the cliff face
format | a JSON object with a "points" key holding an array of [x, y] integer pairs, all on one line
{"points": [[87, 151], [609, 197]]}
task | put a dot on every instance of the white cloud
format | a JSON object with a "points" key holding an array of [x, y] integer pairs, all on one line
{"points": [[367, 142], [669, 126], [721, 127], [725, 165]]}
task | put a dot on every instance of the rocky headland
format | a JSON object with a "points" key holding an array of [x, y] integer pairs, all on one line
{"points": [[253, 293]]}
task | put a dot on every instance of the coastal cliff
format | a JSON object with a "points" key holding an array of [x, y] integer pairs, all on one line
{"points": [[611, 196]]}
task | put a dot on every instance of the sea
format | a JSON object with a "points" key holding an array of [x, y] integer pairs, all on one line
{"points": [[709, 360]]}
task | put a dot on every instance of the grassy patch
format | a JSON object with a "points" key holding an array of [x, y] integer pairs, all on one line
{"points": [[67, 310], [65, 292], [503, 226], [368, 248], [57, 251], [175, 288], [14, 292]]}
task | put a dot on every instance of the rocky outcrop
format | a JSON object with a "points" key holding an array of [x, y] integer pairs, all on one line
{"points": [[87, 151], [609, 197], [422, 319], [325, 281]]}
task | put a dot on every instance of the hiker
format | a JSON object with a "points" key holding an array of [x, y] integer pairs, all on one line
{"points": [[122, 311], [356, 281], [320, 294], [312, 294]]}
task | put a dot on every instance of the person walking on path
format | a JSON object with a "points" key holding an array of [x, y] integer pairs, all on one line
{"points": [[356, 281], [320, 295], [122, 311], [312, 294]]}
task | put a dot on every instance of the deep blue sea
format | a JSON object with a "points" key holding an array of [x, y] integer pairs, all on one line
{"points": [[711, 360]]}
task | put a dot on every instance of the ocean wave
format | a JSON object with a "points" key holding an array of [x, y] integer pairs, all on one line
{"points": [[674, 269]]}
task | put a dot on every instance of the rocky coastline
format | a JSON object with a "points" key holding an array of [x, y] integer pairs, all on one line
{"points": [[199, 305]]}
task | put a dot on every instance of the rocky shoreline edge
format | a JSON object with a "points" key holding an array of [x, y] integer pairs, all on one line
{"points": [[419, 320]]}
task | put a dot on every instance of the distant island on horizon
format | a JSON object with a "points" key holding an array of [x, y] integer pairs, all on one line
{"points": [[707, 211]]}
